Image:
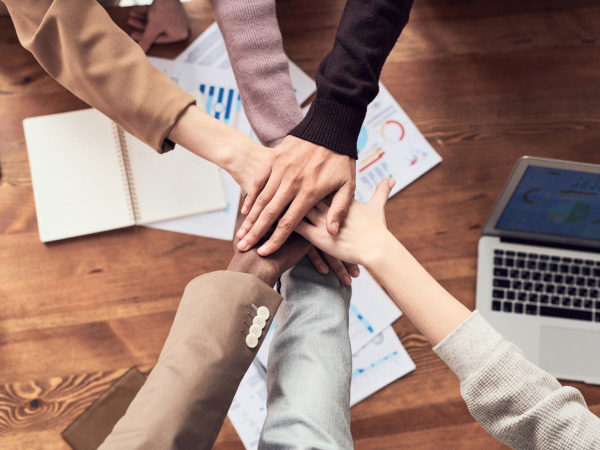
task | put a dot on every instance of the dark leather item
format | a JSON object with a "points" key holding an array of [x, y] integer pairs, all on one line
{"points": [[92, 427]]}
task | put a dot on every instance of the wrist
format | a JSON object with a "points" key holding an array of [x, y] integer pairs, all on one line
{"points": [[211, 139], [263, 272], [379, 251]]}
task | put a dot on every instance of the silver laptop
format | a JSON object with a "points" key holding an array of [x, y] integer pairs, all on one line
{"points": [[538, 276]]}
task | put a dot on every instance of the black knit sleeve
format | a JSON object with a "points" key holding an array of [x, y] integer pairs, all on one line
{"points": [[348, 77]]}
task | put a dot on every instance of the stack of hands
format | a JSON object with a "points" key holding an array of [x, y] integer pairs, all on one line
{"points": [[294, 177]]}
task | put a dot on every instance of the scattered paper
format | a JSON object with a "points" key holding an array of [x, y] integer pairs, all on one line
{"points": [[371, 310], [208, 50], [248, 410], [378, 358], [390, 145], [204, 70], [380, 362], [219, 92]]}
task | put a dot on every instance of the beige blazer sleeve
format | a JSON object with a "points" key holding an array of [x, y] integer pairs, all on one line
{"points": [[188, 393], [80, 46]]}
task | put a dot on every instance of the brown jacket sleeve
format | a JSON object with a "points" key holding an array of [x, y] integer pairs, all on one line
{"points": [[188, 393], [79, 45]]}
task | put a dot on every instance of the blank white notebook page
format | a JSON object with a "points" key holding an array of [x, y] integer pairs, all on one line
{"points": [[174, 184], [75, 164]]}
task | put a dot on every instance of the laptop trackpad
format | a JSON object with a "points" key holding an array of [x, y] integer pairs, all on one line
{"points": [[570, 352]]}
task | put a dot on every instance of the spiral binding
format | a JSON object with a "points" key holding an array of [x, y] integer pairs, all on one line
{"points": [[126, 173]]}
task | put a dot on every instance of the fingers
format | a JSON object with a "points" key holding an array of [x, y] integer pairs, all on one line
{"points": [[322, 206], [286, 225], [382, 192], [316, 217], [309, 232], [317, 261], [339, 269], [257, 186], [267, 217], [137, 23], [339, 208], [352, 269], [261, 202]]}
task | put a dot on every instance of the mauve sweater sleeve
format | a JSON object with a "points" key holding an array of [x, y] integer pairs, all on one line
{"points": [[261, 69], [80, 46], [348, 77], [514, 400]]}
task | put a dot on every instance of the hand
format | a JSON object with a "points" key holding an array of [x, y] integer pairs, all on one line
{"points": [[298, 175], [322, 262], [363, 236], [163, 22], [271, 267]]}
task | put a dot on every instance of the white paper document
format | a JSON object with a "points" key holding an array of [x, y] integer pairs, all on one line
{"points": [[378, 358], [220, 98], [208, 50], [390, 145], [371, 310], [377, 364], [204, 70], [248, 410]]}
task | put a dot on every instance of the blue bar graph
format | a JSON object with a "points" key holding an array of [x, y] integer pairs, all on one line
{"points": [[220, 103]]}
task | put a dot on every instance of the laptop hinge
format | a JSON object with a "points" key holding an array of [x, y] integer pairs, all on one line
{"points": [[548, 245]]}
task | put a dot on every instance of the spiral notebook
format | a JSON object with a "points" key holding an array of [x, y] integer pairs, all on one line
{"points": [[90, 176]]}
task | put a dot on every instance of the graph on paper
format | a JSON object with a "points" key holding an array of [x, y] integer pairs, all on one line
{"points": [[224, 104], [376, 365], [371, 310], [390, 145]]}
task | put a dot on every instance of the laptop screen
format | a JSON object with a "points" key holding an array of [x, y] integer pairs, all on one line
{"points": [[554, 201]]}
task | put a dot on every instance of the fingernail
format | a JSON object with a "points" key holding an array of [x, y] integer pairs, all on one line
{"points": [[346, 280], [244, 210], [242, 245], [264, 249], [355, 273], [335, 226], [241, 233], [324, 270], [391, 183]]}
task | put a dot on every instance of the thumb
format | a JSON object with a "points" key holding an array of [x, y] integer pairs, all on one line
{"points": [[380, 197]]}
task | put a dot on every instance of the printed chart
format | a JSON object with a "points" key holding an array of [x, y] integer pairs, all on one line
{"points": [[390, 145]]}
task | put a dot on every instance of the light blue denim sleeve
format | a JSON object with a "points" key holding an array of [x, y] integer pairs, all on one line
{"points": [[310, 364]]}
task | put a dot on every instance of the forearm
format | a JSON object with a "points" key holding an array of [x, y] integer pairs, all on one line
{"points": [[429, 306], [216, 142], [348, 77], [513, 399], [79, 45], [188, 393], [261, 68]]}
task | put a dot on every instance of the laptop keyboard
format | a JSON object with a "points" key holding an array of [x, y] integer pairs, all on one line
{"points": [[544, 285]]}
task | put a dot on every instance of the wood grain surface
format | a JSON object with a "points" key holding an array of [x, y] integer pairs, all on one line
{"points": [[486, 81]]}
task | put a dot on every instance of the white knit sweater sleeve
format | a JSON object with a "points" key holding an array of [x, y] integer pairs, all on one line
{"points": [[514, 400]]}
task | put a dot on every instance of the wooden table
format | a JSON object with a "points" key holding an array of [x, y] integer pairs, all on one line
{"points": [[486, 81]]}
